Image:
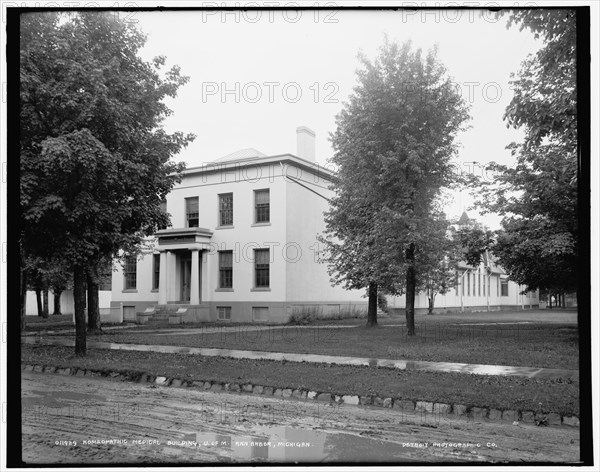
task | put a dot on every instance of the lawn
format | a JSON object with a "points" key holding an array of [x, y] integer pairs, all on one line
{"points": [[532, 345], [554, 395]]}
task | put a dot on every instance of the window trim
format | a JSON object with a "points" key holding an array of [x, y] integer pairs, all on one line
{"points": [[220, 210], [187, 213], [223, 307], [127, 272], [221, 269], [256, 269], [155, 275], [504, 283], [256, 208], [266, 308]]}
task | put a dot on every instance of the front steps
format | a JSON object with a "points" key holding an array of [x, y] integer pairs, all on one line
{"points": [[173, 313]]}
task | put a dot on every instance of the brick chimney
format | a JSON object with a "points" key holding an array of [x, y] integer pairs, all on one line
{"points": [[305, 143]]}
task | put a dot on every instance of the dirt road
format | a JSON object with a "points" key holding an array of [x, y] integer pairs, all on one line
{"points": [[70, 419]]}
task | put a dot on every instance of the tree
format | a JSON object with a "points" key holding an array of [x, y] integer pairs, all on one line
{"points": [[538, 243], [393, 143], [95, 161], [440, 253], [94, 277]]}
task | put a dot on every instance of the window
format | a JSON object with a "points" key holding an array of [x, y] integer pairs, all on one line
{"points": [[224, 313], [226, 269], [262, 206], [462, 283], [163, 208], [260, 313], [261, 267], [226, 209], [484, 285], [469, 283], [156, 272], [504, 288], [498, 287], [191, 212], [456, 282], [479, 284], [130, 273], [129, 313]]}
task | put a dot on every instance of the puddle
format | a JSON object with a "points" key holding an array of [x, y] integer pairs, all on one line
{"points": [[294, 445], [39, 397]]}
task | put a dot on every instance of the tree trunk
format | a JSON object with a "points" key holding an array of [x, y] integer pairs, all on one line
{"points": [[23, 298], [57, 295], [410, 291], [431, 303], [93, 304], [46, 311], [372, 314], [79, 301], [550, 301], [38, 299]]}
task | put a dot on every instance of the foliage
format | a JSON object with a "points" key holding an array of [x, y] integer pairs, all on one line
{"points": [[307, 315], [474, 240], [95, 161], [382, 303], [538, 243], [441, 254], [393, 144]]}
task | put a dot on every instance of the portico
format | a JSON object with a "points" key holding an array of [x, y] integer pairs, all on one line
{"points": [[181, 270]]}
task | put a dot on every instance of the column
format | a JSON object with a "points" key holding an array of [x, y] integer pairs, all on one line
{"points": [[205, 275], [170, 275], [162, 279], [195, 279]]}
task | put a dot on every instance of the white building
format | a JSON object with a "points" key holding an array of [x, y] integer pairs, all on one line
{"points": [[242, 246], [482, 288]]}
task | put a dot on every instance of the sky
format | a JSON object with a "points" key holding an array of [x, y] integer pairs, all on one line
{"points": [[256, 76]]}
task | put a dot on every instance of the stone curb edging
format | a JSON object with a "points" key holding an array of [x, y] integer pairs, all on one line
{"points": [[433, 408]]}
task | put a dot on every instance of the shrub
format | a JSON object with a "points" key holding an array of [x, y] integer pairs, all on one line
{"points": [[382, 302], [305, 315], [308, 314]]}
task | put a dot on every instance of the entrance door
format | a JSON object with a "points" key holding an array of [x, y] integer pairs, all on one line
{"points": [[186, 276]]}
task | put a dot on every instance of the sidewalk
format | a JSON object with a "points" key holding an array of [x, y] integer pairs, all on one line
{"points": [[477, 369]]}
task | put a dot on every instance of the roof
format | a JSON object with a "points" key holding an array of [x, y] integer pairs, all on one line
{"points": [[464, 219], [241, 154]]}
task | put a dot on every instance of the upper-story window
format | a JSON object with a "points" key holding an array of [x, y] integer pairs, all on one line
{"points": [[163, 208], [191, 212], [226, 209], [130, 273], [262, 213]]}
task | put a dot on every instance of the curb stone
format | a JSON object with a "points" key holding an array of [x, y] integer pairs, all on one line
{"points": [[424, 406], [492, 415], [366, 400]]}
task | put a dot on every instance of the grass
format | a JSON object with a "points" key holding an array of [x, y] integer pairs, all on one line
{"points": [[546, 395], [532, 345]]}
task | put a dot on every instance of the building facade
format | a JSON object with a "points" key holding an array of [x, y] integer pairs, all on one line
{"points": [[243, 243]]}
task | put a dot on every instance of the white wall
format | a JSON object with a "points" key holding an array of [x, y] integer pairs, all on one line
{"points": [[307, 279], [66, 302], [472, 299]]}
